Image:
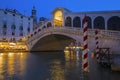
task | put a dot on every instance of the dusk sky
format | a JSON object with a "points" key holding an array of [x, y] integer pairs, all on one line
{"points": [[45, 7]]}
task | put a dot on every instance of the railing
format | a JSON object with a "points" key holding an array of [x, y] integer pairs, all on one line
{"points": [[76, 31]]}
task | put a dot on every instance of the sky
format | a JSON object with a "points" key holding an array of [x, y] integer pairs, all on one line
{"points": [[45, 7]]}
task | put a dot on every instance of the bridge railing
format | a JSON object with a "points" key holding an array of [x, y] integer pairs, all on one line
{"points": [[77, 31], [109, 33]]}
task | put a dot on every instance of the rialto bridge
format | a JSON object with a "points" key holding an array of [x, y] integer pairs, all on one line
{"points": [[66, 27]]}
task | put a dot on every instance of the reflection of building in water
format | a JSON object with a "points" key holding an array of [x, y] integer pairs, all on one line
{"points": [[73, 53]]}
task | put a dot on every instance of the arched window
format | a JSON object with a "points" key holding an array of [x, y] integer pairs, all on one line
{"points": [[114, 23], [99, 23], [49, 24], [76, 22], [68, 22]]}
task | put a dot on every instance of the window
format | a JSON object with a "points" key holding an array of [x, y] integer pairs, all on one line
{"points": [[13, 14], [13, 33], [21, 34], [4, 33], [5, 26], [28, 18], [13, 27], [28, 29], [21, 28], [4, 29], [5, 12], [21, 17]]}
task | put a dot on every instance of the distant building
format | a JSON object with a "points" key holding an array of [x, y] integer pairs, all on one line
{"points": [[14, 25]]}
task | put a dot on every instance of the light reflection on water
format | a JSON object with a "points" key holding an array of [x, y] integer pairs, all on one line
{"points": [[36, 66], [11, 64], [49, 66]]}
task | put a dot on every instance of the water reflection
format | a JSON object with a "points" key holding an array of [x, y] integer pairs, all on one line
{"points": [[12, 64], [40, 66], [67, 69], [57, 71], [49, 66]]}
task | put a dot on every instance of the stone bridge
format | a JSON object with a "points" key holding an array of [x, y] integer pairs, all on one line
{"points": [[57, 38]]}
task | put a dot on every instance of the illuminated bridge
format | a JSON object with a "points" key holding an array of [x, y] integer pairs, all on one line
{"points": [[55, 35]]}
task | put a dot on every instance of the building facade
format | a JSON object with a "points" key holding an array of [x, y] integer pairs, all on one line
{"points": [[106, 20], [14, 25]]}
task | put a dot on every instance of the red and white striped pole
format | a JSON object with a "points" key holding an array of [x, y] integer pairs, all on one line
{"points": [[85, 46], [97, 46]]}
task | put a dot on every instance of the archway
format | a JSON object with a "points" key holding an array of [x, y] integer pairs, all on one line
{"points": [[68, 22], [114, 23], [53, 42], [58, 18], [99, 23], [76, 22]]}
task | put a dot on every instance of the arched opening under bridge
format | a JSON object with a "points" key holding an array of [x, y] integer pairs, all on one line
{"points": [[53, 42]]}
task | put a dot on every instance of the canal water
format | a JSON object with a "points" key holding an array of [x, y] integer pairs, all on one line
{"points": [[50, 66]]}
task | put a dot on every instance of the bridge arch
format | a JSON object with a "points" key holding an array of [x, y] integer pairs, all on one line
{"points": [[54, 42]]}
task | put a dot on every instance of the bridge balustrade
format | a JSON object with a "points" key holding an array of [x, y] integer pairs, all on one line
{"points": [[75, 31]]}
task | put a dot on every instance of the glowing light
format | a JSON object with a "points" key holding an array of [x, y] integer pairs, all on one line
{"points": [[58, 19], [12, 44]]}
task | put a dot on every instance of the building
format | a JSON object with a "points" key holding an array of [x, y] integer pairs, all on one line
{"points": [[106, 20], [14, 25]]}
